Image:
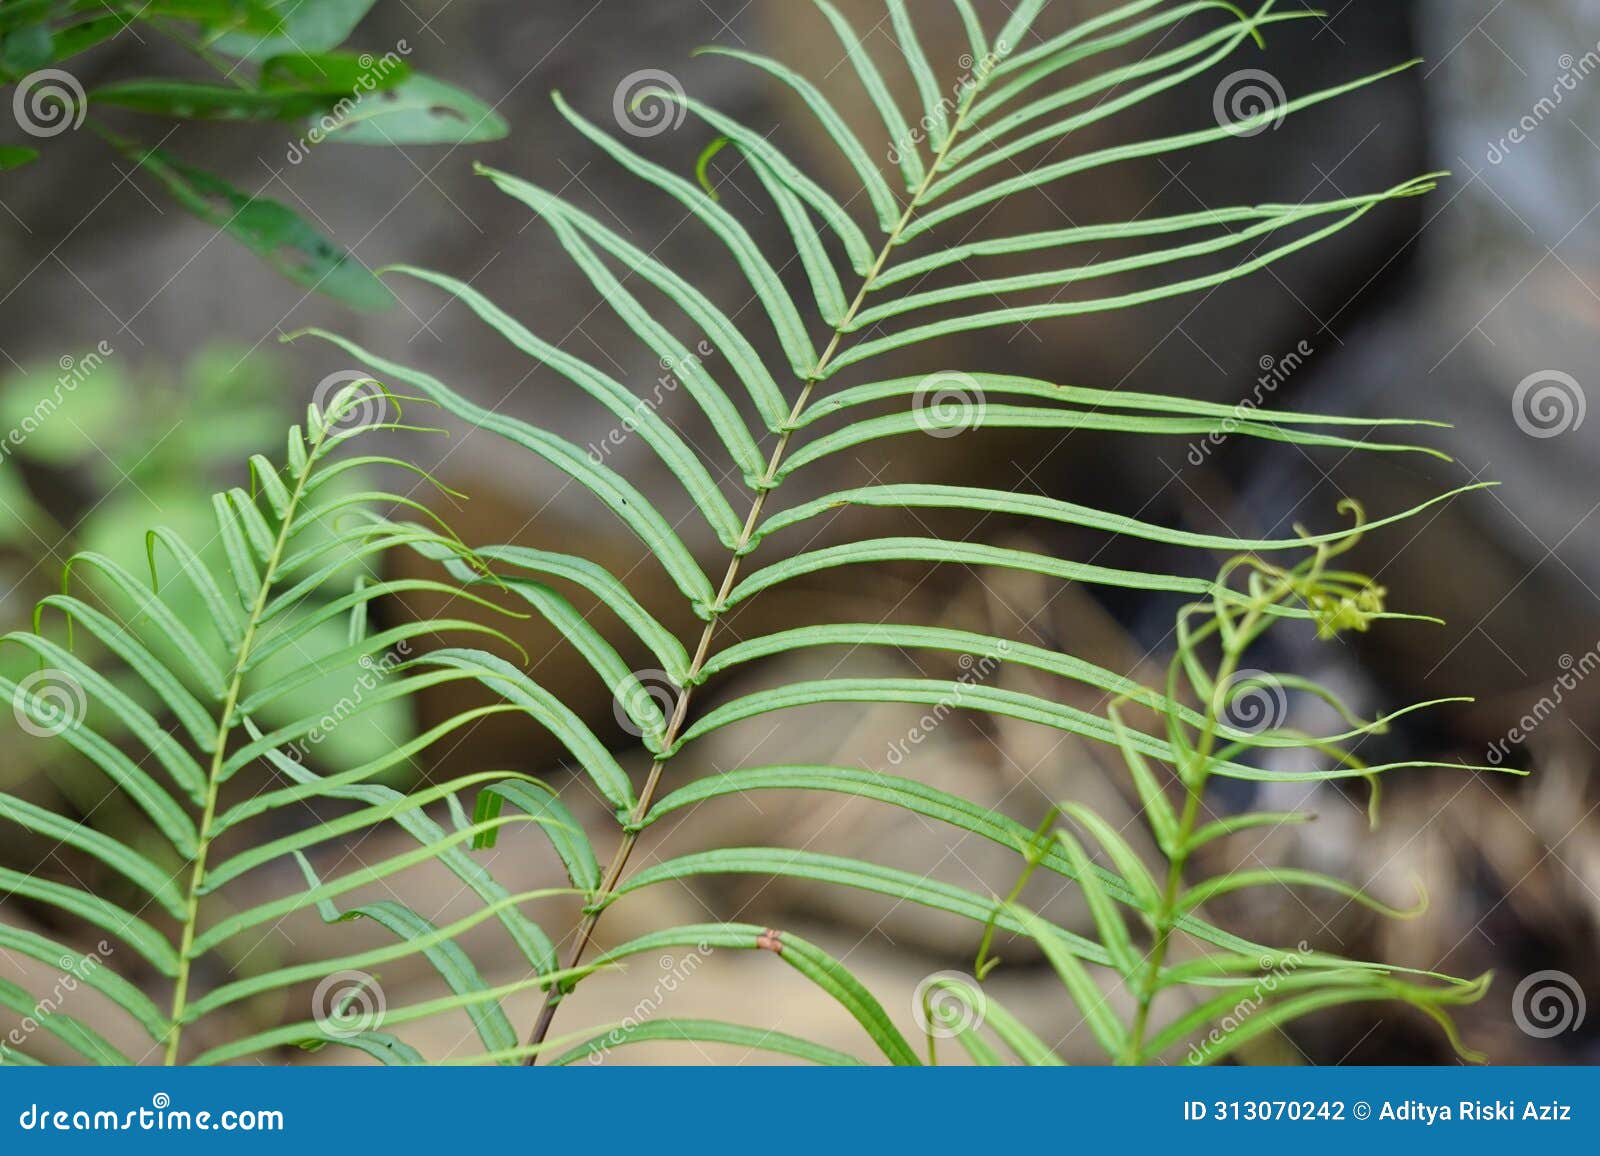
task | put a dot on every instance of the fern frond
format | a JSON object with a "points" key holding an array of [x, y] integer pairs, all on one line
{"points": [[859, 279], [221, 643], [1264, 991]]}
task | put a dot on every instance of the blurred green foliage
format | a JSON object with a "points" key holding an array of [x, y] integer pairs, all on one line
{"points": [[266, 60], [96, 453]]}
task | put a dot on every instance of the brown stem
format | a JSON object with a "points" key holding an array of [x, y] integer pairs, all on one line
{"points": [[641, 809]]}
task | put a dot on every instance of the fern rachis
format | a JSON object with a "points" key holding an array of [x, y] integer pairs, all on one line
{"points": [[702, 649]]}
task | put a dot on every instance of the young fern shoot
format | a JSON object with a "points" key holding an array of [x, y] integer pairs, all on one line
{"points": [[1227, 999]]}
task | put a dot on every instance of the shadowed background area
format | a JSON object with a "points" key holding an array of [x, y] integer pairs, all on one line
{"points": [[1474, 305]]}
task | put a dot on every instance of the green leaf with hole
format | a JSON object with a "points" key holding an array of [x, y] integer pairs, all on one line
{"points": [[275, 232], [419, 110]]}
